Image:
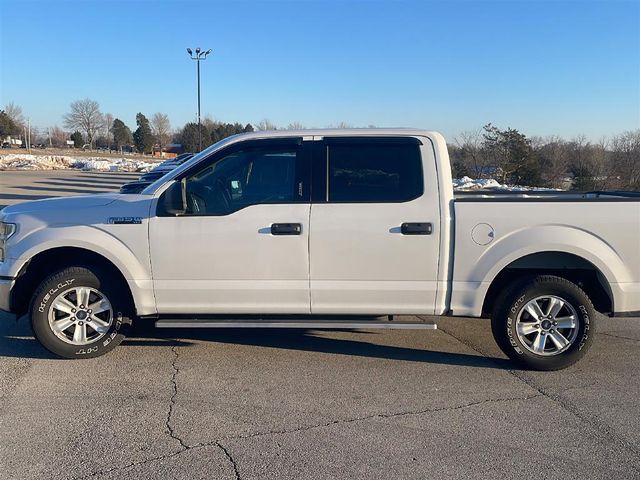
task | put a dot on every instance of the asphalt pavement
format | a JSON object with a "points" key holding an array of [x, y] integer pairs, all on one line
{"points": [[309, 404]]}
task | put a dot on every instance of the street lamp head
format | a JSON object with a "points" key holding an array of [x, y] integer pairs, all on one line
{"points": [[189, 51], [208, 52], [198, 50]]}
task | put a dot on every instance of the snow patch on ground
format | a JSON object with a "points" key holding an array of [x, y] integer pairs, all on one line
{"points": [[467, 183], [24, 161]]}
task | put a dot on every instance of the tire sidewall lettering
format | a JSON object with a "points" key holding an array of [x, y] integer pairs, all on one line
{"points": [[114, 333], [45, 300], [585, 318], [515, 308]]}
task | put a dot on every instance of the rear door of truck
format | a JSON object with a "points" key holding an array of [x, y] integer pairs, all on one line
{"points": [[375, 226]]}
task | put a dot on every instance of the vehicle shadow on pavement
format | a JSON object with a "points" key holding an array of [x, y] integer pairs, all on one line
{"points": [[305, 340], [16, 340]]}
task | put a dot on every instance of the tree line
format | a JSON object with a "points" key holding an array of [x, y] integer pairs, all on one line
{"points": [[506, 155], [510, 157]]}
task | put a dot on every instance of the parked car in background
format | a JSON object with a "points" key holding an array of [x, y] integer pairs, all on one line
{"points": [[156, 173]]}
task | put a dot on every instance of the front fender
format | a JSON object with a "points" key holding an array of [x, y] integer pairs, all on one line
{"points": [[125, 246]]}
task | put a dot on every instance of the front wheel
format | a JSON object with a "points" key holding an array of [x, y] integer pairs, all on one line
{"points": [[80, 313], [545, 323]]}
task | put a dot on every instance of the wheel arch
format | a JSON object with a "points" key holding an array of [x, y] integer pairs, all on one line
{"points": [[49, 261], [570, 266]]}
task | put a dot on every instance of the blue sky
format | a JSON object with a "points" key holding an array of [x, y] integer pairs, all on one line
{"points": [[545, 68]]}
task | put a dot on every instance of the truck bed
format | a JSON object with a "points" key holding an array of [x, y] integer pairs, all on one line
{"points": [[498, 230], [545, 196]]}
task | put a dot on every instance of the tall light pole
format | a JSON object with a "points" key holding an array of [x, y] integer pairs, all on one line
{"points": [[199, 55]]}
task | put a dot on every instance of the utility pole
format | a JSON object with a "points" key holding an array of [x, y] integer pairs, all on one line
{"points": [[199, 55]]}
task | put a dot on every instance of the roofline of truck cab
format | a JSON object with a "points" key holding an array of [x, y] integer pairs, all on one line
{"points": [[308, 134]]}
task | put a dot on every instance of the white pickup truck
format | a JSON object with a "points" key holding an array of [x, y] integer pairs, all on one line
{"points": [[322, 229]]}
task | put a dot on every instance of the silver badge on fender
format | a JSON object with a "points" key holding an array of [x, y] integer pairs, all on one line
{"points": [[125, 220]]}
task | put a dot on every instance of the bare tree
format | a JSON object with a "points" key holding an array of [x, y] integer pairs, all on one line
{"points": [[85, 115], [209, 123], [625, 150], [604, 175], [473, 155], [161, 128], [266, 124], [295, 126], [14, 112], [108, 122], [58, 136], [340, 125], [553, 157]]}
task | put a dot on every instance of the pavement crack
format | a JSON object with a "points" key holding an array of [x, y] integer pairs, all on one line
{"points": [[127, 466], [380, 415], [230, 458], [619, 336], [169, 428], [599, 426]]}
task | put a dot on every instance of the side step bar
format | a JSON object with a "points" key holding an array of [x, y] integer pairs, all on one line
{"points": [[315, 324]]}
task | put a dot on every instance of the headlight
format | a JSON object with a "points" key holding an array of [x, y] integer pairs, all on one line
{"points": [[6, 230]]}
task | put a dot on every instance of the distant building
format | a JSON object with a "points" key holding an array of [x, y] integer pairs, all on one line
{"points": [[11, 141], [169, 151]]}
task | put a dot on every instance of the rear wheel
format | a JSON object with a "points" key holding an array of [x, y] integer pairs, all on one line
{"points": [[80, 313], [544, 323]]}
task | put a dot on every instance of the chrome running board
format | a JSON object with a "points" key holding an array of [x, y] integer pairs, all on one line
{"points": [[297, 322]]}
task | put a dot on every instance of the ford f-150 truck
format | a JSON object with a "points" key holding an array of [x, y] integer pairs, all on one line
{"points": [[322, 229]]}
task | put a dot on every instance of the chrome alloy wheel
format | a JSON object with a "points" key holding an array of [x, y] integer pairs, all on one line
{"points": [[80, 315], [547, 325]]}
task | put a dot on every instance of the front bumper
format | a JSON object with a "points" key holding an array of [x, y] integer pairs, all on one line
{"points": [[6, 285]]}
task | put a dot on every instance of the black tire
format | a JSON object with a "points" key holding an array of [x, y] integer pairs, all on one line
{"points": [[63, 281], [511, 306]]}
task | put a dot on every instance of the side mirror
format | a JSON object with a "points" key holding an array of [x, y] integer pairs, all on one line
{"points": [[174, 199]]}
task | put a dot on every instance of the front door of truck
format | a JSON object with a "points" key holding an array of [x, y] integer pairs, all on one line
{"points": [[242, 245], [375, 226]]}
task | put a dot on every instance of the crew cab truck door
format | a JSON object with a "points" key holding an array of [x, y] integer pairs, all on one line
{"points": [[242, 244], [375, 226]]}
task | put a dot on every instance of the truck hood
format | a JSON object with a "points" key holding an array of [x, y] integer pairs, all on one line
{"points": [[61, 204]]}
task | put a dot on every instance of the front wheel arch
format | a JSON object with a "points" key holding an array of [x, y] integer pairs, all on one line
{"points": [[43, 264]]}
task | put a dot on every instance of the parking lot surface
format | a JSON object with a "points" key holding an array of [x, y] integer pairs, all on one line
{"points": [[298, 404]]}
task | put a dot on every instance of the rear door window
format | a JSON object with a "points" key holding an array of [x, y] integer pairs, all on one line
{"points": [[375, 171]]}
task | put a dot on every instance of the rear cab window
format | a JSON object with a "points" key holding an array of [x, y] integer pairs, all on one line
{"points": [[373, 170]]}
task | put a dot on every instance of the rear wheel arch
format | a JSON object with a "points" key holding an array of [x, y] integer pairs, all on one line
{"points": [[47, 262], [561, 264]]}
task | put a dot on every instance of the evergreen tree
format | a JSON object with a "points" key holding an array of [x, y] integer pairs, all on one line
{"points": [[143, 137], [121, 134], [190, 139], [7, 126], [224, 130], [78, 141], [513, 154], [248, 128]]}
